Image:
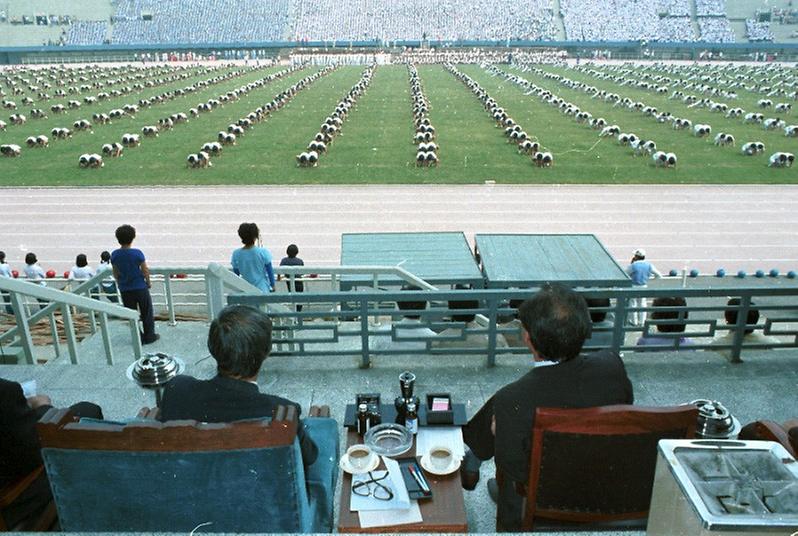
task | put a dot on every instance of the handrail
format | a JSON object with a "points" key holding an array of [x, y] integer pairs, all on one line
{"points": [[397, 271], [64, 301], [313, 332]]}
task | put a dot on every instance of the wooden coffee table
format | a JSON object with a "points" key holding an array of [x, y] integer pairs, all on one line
{"points": [[445, 512]]}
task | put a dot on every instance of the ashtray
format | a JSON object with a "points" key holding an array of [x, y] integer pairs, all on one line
{"points": [[389, 439]]}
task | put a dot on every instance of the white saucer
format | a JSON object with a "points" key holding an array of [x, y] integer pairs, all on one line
{"points": [[344, 464], [427, 466]]}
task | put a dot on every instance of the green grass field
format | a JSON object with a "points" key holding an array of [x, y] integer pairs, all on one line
{"points": [[375, 142]]}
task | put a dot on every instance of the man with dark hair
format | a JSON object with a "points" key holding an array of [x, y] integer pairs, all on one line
{"points": [[240, 340], [133, 277], [555, 323]]}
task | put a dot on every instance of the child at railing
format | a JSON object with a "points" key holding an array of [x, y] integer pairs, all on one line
{"points": [[292, 260], [34, 273], [81, 271], [133, 277], [108, 287], [5, 271]]}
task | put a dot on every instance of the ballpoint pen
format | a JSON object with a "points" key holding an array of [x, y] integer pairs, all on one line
{"points": [[414, 472]]}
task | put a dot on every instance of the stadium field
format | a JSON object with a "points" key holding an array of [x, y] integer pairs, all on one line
{"points": [[375, 144]]}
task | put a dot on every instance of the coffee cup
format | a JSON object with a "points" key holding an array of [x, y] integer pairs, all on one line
{"points": [[440, 458], [360, 457]]}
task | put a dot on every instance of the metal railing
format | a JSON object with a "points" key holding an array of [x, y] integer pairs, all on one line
{"points": [[368, 323], [206, 291], [18, 292]]}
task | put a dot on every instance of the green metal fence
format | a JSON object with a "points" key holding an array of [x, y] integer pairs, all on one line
{"points": [[369, 324]]}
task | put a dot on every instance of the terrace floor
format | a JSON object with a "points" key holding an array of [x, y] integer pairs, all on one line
{"points": [[764, 386]]}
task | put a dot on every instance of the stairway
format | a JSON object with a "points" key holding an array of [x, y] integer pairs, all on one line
{"points": [[558, 20]]}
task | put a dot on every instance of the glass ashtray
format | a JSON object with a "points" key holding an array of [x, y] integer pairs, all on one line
{"points": [[389, 439]]}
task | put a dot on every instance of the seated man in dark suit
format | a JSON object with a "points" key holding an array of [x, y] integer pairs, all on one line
{"points": [[239, 340], [556, 322], [20, 452]]}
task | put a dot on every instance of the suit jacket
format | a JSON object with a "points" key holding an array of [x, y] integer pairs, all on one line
{"points": [[223, 399], [593, 379], [19, 442]]}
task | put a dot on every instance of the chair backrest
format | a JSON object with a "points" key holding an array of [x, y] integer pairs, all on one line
{"points": [[766, 430], [597, 464], [176, 476]]}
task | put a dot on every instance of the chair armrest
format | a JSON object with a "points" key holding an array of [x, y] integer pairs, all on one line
{"points": [[321, 477], [319, 411], [12, 491], [149, 413], [768, 431]]}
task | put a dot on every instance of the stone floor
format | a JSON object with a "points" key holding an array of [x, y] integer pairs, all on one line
{"points": [[764, 386]]}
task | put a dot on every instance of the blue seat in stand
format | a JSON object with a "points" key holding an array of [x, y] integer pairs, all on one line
{"points": [[147, 476]]}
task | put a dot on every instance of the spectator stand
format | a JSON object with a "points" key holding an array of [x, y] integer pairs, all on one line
{"points": [[437, 258], [529, 260]]}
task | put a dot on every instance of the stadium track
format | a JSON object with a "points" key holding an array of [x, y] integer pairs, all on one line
{"points": [[703, 227]]}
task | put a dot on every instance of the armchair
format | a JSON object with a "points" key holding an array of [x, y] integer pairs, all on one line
{"points": [[178, 476]]}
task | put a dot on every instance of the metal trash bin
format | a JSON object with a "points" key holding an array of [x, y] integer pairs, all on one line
{"points": [[728, 488]]}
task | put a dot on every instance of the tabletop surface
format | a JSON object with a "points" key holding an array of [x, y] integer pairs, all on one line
{"points": [[438, 258], [523, 260], [445, 512]]}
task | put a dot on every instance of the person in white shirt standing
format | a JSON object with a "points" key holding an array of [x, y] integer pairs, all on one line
{"points": [[640, 270]]}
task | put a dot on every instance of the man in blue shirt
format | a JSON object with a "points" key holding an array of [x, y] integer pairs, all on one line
{"points": [[133, 277]]}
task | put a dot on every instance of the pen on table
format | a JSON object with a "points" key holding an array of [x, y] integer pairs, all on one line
{"points": [[414, 473]]}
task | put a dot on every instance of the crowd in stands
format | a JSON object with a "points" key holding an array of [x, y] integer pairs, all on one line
{"points": [[710, 8], [376, 20], [87, 33], [328, 20], [627, 20], [716, 30], [758, 31], [200, 21]]}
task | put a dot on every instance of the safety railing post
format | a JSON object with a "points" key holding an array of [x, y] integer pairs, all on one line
{"points": [[739, 329], [21, 314], [170, 303], [69, 333], [54, 334], [109, 351], [364, 335]]}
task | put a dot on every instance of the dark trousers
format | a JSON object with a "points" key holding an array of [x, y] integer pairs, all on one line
{"points": [[141, 300], [37, 496]]}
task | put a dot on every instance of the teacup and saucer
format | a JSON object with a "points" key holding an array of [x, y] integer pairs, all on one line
{"points": [[359, 459], [440, 460]]}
